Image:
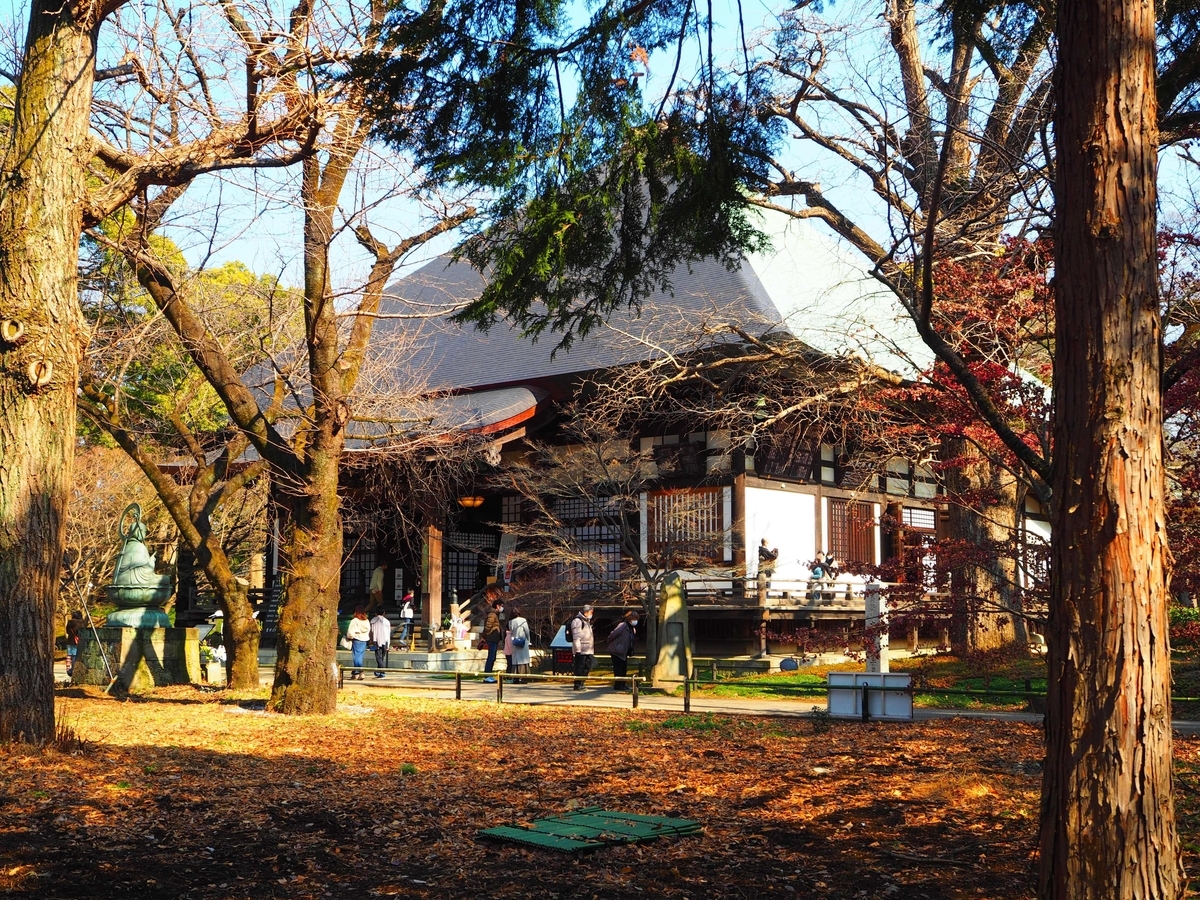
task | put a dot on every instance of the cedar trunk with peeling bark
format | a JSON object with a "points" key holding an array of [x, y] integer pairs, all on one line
{"points": [[39, 354], [1108, 825]]}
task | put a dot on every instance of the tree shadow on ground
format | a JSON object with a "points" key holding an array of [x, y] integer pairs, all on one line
{"points": [[389, 803]]}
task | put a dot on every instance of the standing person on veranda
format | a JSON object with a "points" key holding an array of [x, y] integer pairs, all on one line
{"points": [[375, 590], [406, 617], [767, 557]]}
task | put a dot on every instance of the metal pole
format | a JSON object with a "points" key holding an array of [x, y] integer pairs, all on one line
{"points": [[635, 690], [866, 709], [714, 671], [458, 685], [499, 687], [687, 695]]}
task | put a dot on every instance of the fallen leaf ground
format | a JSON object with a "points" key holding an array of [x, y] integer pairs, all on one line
{"points": [[199, 795]]}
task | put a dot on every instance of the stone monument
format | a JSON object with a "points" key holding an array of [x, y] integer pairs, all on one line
{"points": [[137, 646], [674, 661]]}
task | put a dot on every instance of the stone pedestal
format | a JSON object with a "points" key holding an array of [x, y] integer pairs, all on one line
{"points": [[875, 641], [141, 658]]}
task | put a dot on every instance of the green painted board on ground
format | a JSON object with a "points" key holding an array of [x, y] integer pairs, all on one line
{"points": [[590, 829]]}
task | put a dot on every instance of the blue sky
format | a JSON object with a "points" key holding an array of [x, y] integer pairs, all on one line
{"points": [[254, 218]]}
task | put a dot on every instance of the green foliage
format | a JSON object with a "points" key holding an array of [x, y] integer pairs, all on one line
{"points": [[820, 719], [702, 722], [1182, 615], [593, 193], [1184, 624], [138, 361]]}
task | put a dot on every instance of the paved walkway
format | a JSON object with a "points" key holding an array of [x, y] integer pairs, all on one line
{"points": [[440, 686]]}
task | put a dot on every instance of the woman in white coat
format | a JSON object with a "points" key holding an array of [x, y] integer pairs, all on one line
{"points": [[521, 638]]}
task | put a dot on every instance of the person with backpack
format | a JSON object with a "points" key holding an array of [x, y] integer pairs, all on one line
{"points": [[817, 574], [583, 643], [520, 637], [620, 645]]}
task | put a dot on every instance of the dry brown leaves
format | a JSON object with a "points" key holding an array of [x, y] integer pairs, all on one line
{"points": [[191, 795]]}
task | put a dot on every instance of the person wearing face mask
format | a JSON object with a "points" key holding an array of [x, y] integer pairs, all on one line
{"points": [[620, 645], [583, 644]]}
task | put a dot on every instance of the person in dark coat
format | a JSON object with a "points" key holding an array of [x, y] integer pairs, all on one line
{"points": [[620, 645], [492, 634], [766, 564]]}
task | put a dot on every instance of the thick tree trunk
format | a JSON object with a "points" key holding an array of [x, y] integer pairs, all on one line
{"points": [[241, 633], [1108, 824], [986, 517], [40, 344], [305, 670], [305, 673]]}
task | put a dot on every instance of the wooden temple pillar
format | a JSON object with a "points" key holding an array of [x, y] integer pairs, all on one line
{"points": [[431, 578]]}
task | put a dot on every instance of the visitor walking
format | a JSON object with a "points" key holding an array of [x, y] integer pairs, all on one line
{"points": [[583, 644], [358, 632], [381, 639], [620, 645]]}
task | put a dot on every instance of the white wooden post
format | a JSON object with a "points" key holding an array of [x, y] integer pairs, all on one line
{"points": [[876, 642]]}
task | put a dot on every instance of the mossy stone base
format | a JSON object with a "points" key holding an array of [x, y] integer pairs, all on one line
{"points": [[141, 658]]}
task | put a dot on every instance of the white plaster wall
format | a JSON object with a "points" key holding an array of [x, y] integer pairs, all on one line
{"points": [[1039, 532], [788, 520]]}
